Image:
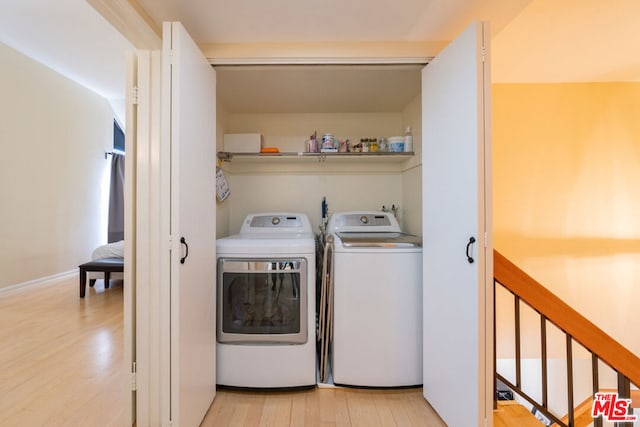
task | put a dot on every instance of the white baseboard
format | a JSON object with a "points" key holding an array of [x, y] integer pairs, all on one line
{"points": [[42, 280]]}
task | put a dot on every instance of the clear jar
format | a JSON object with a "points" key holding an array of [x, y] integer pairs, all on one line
{"points": [[382, 145]]}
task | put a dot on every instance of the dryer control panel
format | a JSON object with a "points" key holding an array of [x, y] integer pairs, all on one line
{"points": [[281, 223]]}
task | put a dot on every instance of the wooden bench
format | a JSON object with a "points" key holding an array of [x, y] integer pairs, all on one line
{"points": [[104, 265]]}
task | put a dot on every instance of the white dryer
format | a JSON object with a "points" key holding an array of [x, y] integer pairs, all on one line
{"points": [[377, 304], [266, 303]]}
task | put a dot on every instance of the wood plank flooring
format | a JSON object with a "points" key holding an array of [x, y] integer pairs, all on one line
{"points": [[512, 414], [61, 356], [322, 407]]}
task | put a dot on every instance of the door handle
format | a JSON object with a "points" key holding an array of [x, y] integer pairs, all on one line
{"points": [[472, 240], [184, 242]]}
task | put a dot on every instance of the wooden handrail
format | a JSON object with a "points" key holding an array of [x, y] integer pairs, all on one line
{"points": [[566, 318]]}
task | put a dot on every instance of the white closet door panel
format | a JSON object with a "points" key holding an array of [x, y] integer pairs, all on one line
{"points": [[453, 108], [129, 309], [192, 107]]}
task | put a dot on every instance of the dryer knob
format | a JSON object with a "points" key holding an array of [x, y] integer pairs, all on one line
{"points": [[275, 220], [364, 219]]}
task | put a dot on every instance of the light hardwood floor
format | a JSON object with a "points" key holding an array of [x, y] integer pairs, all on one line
{"points": [[512, 414], [61, 360], [61, 357], [322, 407]]}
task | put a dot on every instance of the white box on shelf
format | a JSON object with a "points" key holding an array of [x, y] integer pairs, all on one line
{"points": [[242, 142]]}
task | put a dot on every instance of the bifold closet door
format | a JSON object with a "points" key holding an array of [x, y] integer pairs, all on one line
{"points": [[189, 133], [457, 252]]}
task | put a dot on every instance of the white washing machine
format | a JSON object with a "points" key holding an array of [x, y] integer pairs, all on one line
{"points": [[377, 303], [266, 303]]}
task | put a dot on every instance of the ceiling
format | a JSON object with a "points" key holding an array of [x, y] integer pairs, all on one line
{"points": [[317, 89], [243, 21], [532, 40]]}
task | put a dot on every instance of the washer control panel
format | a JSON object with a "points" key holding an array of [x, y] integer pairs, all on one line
{"points": [[363, 221]]}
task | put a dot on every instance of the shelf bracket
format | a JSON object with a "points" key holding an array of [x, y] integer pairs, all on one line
{"points": [[224, 156]]}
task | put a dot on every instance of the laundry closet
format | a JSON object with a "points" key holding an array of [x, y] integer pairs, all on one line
{"points": [[286, 105], [285, 109], [178, 112]]}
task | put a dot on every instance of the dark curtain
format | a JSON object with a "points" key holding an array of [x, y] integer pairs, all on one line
{"points": [[115, 231]]}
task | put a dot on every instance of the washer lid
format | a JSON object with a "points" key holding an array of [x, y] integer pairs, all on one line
{"points": [[379, 239]]}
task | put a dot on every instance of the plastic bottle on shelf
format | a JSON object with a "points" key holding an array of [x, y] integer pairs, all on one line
{"points": [[408, 140]]}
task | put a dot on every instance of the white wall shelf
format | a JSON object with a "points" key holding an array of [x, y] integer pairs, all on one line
{"points": [[385, 157], [319, 163]]}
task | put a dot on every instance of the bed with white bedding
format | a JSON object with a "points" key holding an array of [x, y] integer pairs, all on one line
{"points": [[110, 250]]}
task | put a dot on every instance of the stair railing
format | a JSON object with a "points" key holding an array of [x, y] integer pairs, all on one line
{"points": [[575, 327]]}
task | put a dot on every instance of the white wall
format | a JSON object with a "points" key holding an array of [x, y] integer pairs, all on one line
{"points": [[289, 132], [302, 193], [283, 186], [52, 170], [566, 167], [222, 208], [412, 176]]}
